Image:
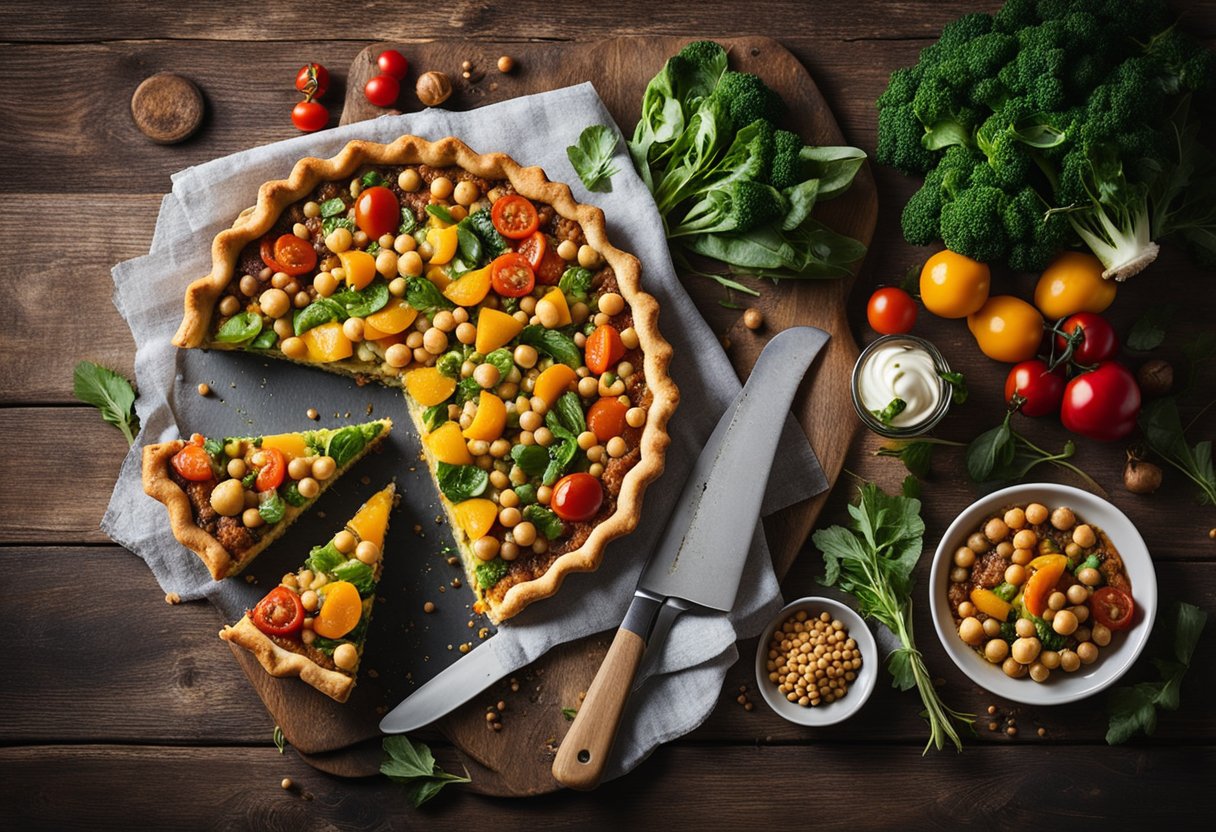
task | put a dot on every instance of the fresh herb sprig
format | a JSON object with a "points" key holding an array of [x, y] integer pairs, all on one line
{"points": [[592, 156], [873, 561], [894, 407], [1166, 436], [916, 454], [1134, 708], [413, 764], [1004, 455], [110, 393]]}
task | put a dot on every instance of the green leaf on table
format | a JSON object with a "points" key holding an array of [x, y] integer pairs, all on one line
{"points": [[569, 714], [412, 764], [591, 157], [1148, 332], [990, 450], [280, 741], [110, 393], [1163, 429], [958, 386]]}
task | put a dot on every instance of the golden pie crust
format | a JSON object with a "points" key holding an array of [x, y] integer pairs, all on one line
{"points": [[278, 661], [276, 196]]}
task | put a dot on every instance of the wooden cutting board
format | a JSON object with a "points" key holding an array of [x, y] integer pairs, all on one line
{"points": [[515, 760]]}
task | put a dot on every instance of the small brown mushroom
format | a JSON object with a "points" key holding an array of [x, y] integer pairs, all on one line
{"points": [[1155, 377], [1140, 477], [433, 88]]}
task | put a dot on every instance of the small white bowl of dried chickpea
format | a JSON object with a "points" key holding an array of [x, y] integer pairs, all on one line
{"points": [[1043, 593], [816, 662]]}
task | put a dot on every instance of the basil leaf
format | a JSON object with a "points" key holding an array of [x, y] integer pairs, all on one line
{"points": [[358, 573], [371, 179], [441, 213], [546, 522], [531, 459], [331, 224], [266, 339], [490, 573], [893, 409], [362, 302], [408, 221], [461, 482], [324, 558], [240, 328], [434, 416], [320, 311], [958, 386], [271, 507], [110, 393], [502, 360], [575, 283], [561, 454], [292, 495], [481, 223], [345, 444], [425, 296], [990, 450], [468, 242], [332, 207], [552, 343], [526, 493], [569, 410]]}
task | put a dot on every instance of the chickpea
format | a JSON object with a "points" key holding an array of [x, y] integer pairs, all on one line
{"points": [[309, 598], [1069, 661], [409, 264], [398, 355], [1039, 672], [616, 447], [635, 417], [485, 548], [959, 575], [1024, 628], [1049, 614], [1015, 518], [352, 328], [346, 656], [526, 356], [460, 315], [997, 649], [466, 333], [964, 556], [228, 498], [280, 280], [1050, 659], [1022, 556], [588, 387], [971, 631], [510, 516], [1036, 513], [1015, 574], [1004, 549], [294, 347], [1065, 622], [308, 488], [465, 193], [1013, 668], [339, 240], [236, 468], [298, 468], [229, 306], [548, 315], [1025, 650], [588, 257], [435, 341], [1057, 600], [567, 250], [629, 337], [978, 543], [1082, 634], [345, 542], [611, 304], [1083, 535], [1100, 635], [248, 285], [409, 180], [441, 187], [1081, 612], [368, 552], [544, 494], [1089, 576], [1087, 652], [1063, 518], [1025, 539], [325, 283], [283, 328], [1077, 594], [252, 518], [996, 530], [324, 467], [486, 375], [992, 627], [1073, 550]]}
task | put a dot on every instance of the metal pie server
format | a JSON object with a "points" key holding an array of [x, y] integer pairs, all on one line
{"points": [[699, 560]]}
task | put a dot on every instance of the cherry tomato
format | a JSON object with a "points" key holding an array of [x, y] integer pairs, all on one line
{"points": [[294, 256], [377, 212], [393, 63], [606, 418], [270, 476], [953, 286], [511, 275], [1007, 329], [309, 116], [534, 248], [604, 349], [317, 76], [514, 217], [577, 497], [382, 90], [1073, 283], [193, 463], [1039, 390], [1103, 403], [1112, 608], [280, 613], [551, 268], [891, 311], [1097, 341], [266, 249]]}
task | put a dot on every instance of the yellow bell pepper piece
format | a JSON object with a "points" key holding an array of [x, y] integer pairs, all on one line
{"points": [[989, 603], [326, 343], [1042, 582], [292, 445], [340, 612], [1044, 560], [555, 297], [428, 386], [439, 276], [475, 517], [360, 267], [371, 520], [443, 244], [469, 289], [448, 445], [490, 420], [395, 317], [553, 382], [495, 329]]}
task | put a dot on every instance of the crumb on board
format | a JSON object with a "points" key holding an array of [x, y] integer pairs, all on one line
{"points": [[173, 598]]}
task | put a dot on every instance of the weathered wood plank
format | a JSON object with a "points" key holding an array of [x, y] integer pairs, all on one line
{"points": [[68, 787]]}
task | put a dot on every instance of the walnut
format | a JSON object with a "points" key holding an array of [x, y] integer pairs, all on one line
{"points": [[433, 88]]}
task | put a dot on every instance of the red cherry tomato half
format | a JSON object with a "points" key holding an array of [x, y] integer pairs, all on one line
{"points": [[280, 613], [534, 248], [1112, 608], [891, 311], [577, 497], [393, 63], [382, 90], [271, 474], [266, 250], [309, 116], [1102, 404], [377, 212], [1097, 341], [551, 268], [511, 275], [294, 256], [193, 463], [514, 217], [604, 349], [317, 76], [1039, 391]]}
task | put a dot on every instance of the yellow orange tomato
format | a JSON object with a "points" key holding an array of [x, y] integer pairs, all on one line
{"points": [[1007, 329], [1073, 283], [953, 286]]}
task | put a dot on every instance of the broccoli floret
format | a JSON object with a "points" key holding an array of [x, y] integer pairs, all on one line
{"points": [[706, 55], [784, 169], [740, 205], [921, 217], [972, 224], [747, 98], [1035, 237], [900, 144]]}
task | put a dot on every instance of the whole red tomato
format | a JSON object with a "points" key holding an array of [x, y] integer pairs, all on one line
{"points": [[382, 90], [891, 311], [577, 497], [392, 62], [1103, 403], [314, 76], [1038, 389], [309, 116], [1097, 341]]}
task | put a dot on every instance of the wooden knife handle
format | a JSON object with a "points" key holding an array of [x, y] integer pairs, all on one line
{"points": [[584, 752]]}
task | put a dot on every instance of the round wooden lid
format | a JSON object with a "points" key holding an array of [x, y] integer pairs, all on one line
{"points": [[167, 108]]}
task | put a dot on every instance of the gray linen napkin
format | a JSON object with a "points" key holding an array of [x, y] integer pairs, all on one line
{"points": [[534, 130]]}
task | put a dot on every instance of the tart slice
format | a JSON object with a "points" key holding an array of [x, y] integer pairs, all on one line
{"points": [[314, 623], [230, 498]]}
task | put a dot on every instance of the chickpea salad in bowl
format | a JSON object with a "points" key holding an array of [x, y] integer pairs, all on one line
{"points": [[1036, 589]]}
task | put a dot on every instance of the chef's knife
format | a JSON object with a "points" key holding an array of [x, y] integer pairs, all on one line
{"points": [[699, 560]]}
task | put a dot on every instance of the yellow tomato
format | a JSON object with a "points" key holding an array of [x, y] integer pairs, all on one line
{"points": [[953, 286], [1007, 329], [1073, 283]]}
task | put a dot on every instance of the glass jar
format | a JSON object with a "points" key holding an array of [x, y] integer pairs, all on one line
{"points": [[932, 415]]}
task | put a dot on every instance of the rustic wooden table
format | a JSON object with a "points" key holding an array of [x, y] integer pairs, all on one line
{"points": [[116, 708]]}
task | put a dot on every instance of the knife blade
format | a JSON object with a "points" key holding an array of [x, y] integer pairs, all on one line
{"points": [[448, 690], [701, 555]]}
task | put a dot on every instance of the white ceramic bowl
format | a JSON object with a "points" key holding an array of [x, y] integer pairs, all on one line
{"points": [[1113, 661], [858, 692]]}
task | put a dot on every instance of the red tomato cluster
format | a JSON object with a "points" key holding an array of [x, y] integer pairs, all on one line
{"points": [[383, 89], [311, 115]]}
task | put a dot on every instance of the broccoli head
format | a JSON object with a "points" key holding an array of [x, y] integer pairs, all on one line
{"points": [[747, 98], [921, 217], [1035, 236], [973, 224], [900, 144], [783, 172]]}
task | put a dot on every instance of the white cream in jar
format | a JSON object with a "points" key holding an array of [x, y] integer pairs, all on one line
{"points": [[902, 371]]}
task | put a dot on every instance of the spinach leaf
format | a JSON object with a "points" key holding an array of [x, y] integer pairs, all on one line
{"points": [[266, 339], [461, 482], [441, 213], [834, 167], [331, 224], [425, 296], [1004, 455], [469, 244], [1163, 429], [526, 493], [502, 360], [482, 224], [916, 454], [552, 343], [292, 495], [320, 311], [434, 416], [110, 393], [531, 459], [371, 179], [801, 199], [358, 573], [591, 157], [240, 328], [412, 763], [546, 522], [408, 221], [346, 444], [324, 558], [332, 207], [1148, 332], [490, 573], [359, 303], [575, 283], [569, 410], [561, 454], [271, 507], [990, 450]]}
